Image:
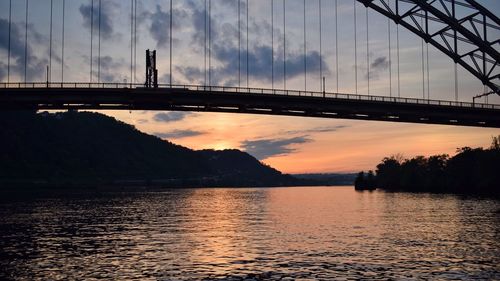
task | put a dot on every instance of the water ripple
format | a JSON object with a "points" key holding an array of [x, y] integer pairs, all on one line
{"points": [[315, 233]]}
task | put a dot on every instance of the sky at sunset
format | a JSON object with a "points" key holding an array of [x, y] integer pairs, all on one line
{"points": [[290, 144]]}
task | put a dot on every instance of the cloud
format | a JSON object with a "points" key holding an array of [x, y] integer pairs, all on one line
{"points": [[179, 134], [226, 52], [36, 66], [109, 67], [160, 24], [378, 65], [106, 19], [171, 116], [265, 148], [327, 129]]}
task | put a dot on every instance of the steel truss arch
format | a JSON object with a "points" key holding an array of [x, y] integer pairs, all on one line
{"points": [[464, 30]]}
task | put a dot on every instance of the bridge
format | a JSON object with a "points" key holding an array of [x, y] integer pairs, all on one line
{"points": [[119, 96], [463, 30]]}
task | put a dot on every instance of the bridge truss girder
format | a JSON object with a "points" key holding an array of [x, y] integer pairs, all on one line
{"points": [[469, 35]]}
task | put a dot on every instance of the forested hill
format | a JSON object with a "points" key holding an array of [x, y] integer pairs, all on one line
{"points": [[76, 148], [470, 171]]}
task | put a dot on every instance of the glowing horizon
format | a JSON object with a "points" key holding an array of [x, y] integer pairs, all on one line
{"points": [[304, 144]]}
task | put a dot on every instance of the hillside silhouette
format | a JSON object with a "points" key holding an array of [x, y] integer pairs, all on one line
{"points": [[84, 148]]}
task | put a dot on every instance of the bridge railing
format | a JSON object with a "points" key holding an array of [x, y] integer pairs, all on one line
{"points": [[250, 90]]}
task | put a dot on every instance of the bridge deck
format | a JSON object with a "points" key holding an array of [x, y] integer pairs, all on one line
{"points": [[245, 100]]}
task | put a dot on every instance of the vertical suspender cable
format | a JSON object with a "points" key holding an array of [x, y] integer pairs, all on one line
{"points": [[428, 75], [337, 45], [99, 45], [455, 49], [456, 82], [26, 44], [131, 41], [485, 36], [248, 65], [205, 43], [390, 56], [135, 41], [239, 43], [355, 50], [321, 85], [367, 52], [305, 49], [272, 44], [423, 69], [50, 35], [284, 45], [91, 36], [427, 54], [209, 42], [62, 47], [10, 29], [397, 48], [171, 36], [484, 92]]}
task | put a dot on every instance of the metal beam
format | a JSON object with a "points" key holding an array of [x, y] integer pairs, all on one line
{"points": [[484, 51], [344, 107]]}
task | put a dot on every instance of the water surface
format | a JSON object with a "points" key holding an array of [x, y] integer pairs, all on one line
{"points": [[318, 233]]}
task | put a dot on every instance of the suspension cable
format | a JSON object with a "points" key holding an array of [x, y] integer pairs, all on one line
{"points": [[485, 90], [50, 40], [321, 85], [456, 50], [423, 69], [26, 44], [239, 43], [99, 46], [135, 41], [427, 52], [248, 62], [390, 56], [355, 50], [336, 45], [10, 28], [62, 43], [205, 43], [209, 42], [131, 41], [171, 36], [397, 47], [428, 75], [456, 82], [284, 45], [91, 36], [367, 52], [305, 49], [272, 44]]}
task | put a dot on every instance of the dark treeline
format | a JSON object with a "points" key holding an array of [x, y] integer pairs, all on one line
{"points": [[91, 149], [470, 171]]}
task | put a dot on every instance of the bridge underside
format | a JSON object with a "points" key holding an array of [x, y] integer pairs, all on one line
{"points": [[172, 99]]}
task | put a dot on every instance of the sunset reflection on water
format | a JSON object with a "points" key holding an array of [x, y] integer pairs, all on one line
{"points": [[190, 234]]}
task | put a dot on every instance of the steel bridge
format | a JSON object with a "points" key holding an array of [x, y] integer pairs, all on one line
{"points": [[121, 96], [463, 30]]}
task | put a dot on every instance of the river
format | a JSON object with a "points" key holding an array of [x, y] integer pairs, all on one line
{"points": [[313, 233]]}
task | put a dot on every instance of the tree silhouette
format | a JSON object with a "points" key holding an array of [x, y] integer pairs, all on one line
{"points": [[471, 171]]}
